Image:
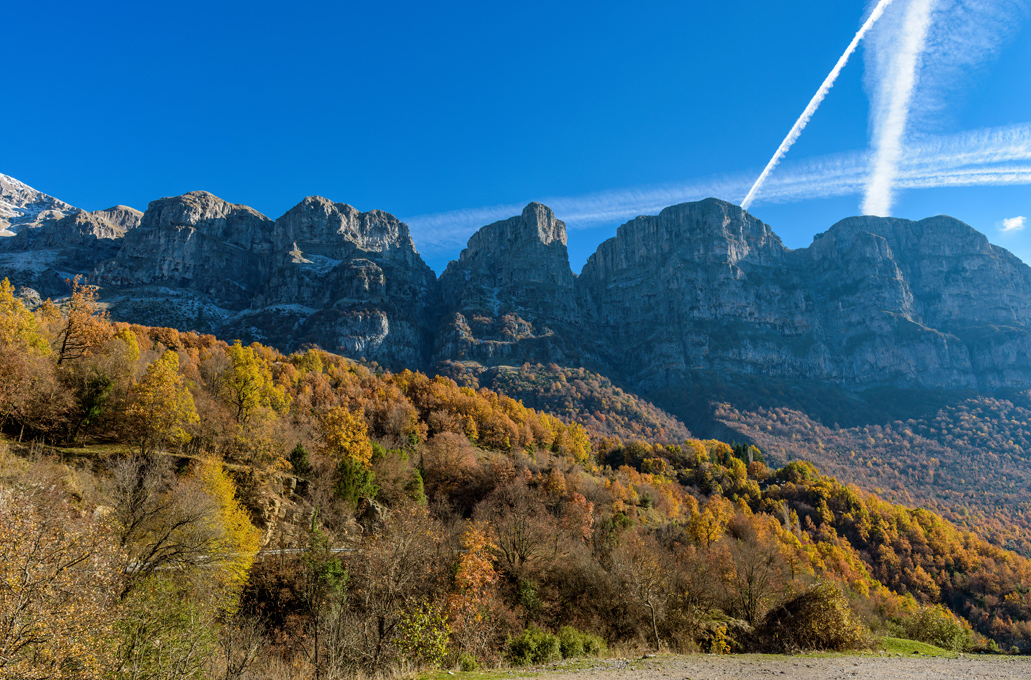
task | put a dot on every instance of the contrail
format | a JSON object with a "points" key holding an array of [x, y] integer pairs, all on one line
{"points": [[815, 102], [890, 120]]}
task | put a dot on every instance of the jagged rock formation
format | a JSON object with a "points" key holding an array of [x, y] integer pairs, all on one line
{"points": [[48, 249], [349, 281], [701, 288], [874, 301], [509, 298]]}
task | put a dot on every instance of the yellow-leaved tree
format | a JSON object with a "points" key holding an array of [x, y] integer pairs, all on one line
{"points": [[248, 386], [345, 439], [23, 352], [161, 406], [345, 435], [58, 577], [238, 540], [18, 327]]}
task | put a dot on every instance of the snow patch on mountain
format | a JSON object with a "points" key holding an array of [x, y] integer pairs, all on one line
{"points": [[22, 207]]}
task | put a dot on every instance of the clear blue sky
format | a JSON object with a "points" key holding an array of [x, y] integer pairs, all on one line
{"points": [[427, 108]]}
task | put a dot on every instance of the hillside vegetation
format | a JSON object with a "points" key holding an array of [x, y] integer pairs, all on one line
{"points": [[174, 506], [967, 460]]}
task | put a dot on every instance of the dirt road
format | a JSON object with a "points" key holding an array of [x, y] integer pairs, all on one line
{"points": [[754, 667]]}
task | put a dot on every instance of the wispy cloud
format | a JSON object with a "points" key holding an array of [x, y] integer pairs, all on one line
{"points": [[1013, 224], [964, 37], [814, 103], [989, 157], [892, 102], [919, 61]]}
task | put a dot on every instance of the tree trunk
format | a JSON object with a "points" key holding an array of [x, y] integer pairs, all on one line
{"points": [[655, 627]]}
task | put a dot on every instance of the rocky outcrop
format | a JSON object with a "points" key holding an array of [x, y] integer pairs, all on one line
{"points": [[509, 298], [193, 262], [928, 303], [700, 290], [45, 256], [349, 281], [701, 286], [874, 301]]}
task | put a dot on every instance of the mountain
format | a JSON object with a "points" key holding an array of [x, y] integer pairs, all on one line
{"points": [[702, 288], [856, 352], [21, 206]]}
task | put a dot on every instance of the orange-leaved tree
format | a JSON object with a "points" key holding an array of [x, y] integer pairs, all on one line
{"points": [[83, 326], [473, 600]]}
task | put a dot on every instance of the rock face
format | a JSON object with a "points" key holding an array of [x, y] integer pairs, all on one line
{"points": [[927, 303], [48, 249], [323, 273], [349, 281], [700, 287], [510, 298], [874, 301]]}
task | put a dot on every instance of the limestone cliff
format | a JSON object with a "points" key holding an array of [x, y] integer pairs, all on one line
{"points": [[874, 301], [699, 289], [509, 298], [349, 281]]}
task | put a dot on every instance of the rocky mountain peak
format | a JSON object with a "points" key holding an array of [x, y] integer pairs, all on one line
{"points": [[508, 291], [22, 207], [528, 248], [536, 229], [323, 227], [239, 225], [120, 216]]}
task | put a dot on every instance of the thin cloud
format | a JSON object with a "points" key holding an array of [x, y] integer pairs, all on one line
{"points": [[1012, 224], [892, 100], [989, 157], [920, 60]]}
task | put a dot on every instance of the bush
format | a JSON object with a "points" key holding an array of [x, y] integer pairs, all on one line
{"points": [[354, 481], [574, 643], [467, 662], [818, 619], [938, 626], [534, 646], [299, 461]]}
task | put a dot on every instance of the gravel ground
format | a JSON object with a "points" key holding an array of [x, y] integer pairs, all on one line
{"points": [[751, 667]]}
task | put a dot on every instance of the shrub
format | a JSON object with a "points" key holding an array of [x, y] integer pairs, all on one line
{"points": [[574, 643], [299, 461], [467, 662], [534, 646], [423, 634], [354, 481], [819, 618], [938, 626]]}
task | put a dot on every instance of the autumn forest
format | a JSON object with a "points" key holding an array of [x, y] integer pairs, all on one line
{"points": [[176, 506]]}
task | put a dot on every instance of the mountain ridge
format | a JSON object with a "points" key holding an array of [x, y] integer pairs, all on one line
{"points": [[701, 286]]}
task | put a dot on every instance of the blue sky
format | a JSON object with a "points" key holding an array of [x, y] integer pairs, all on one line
{"points": [[450, 115]]}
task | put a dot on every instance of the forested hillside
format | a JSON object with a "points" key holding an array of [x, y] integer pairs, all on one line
{"points": [[172, 505], [967, 460]]}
